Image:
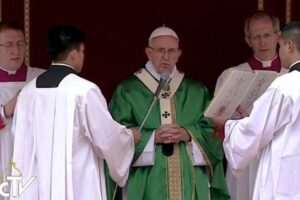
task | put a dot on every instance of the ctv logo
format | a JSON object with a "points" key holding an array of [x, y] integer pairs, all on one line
{"points": [[16, 186], [13, 186]]}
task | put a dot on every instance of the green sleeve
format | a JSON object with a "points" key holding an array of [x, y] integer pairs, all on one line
{"points": [[201, 130], [128, 107]]}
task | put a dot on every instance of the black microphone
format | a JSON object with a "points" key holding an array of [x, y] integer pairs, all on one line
{"points": [[168, 149], [164, 77]]}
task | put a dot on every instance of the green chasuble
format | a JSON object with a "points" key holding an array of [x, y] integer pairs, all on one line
{"points": [[130, 103]]}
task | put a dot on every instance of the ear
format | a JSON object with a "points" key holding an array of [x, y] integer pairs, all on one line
{"points": [[73, 54], [247, 40], [148, 52], [179, 52], [291, 46]]}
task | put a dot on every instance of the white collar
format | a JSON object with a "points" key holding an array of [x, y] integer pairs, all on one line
{"points": [[152, 70], [294, 63], [64, 64], [266, 63], [9, 71]]}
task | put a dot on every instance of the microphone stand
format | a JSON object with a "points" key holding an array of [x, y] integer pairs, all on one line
{"points": [[163, 80], [166, 148], [154, 100]]}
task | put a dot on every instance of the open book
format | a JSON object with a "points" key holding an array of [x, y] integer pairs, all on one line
{"points": [[240, 88]]}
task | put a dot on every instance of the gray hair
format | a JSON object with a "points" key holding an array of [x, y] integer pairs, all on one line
{"points": [[259, 15]]}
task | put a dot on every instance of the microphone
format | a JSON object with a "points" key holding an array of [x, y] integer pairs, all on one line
{"points": [[164, 77], [168, 149]]}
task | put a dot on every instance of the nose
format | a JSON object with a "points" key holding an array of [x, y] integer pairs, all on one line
{"points": [[16, 49], [166, 55], [262, 41]]}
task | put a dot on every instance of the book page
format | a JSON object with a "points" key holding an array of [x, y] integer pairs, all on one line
{"points": [[231, 93], [262, 81]]}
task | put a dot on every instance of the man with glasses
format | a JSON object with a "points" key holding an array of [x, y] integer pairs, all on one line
{"points": [[262, 33], [271, 131], [177, 156], [13, 75]]}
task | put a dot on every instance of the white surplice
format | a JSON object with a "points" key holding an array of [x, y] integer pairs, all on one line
{"points": [[241, 186], [7, 91], [272, 133], [62, 136]]}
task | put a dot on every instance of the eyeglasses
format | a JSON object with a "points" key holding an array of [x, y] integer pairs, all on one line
{"points": [[162, 51], [266, 36], [11, 45]]}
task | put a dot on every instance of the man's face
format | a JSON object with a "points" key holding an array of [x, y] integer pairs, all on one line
{"points": [[79, 58], [163, 52], [12, 49], [283, 53], [262, 38]]}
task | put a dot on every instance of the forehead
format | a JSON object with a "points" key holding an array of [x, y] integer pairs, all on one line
{"points": [[263, 24], [9, 35], [164, 41]]}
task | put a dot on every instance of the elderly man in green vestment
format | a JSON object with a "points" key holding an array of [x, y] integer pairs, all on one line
{"points": [[177, 155]]}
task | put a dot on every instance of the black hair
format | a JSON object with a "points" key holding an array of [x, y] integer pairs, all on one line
{"points": [[292, 32], [62, 39]]}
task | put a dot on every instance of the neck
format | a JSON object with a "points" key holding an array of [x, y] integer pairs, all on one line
{"points": [[262, 60], [13, 76], [151, 69], [273, 65], [64, 64], [9, 71]]}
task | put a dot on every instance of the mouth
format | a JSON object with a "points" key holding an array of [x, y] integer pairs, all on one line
{"points": [[264, 50], [165, 64], [15, 59]]}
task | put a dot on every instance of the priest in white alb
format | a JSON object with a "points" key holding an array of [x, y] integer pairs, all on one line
{"points": [[63, 130], [14, 74], [271, 132]]}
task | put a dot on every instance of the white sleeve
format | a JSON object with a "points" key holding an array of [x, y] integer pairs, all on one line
{"points": [[146, 158], [196, 154], [245, 138], [112, 141]]}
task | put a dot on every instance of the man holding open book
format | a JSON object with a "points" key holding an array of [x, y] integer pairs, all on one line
{"points": [[271, 132], [262, 33]]}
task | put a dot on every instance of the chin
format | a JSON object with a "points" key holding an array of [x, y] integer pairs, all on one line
{"points": [[15, 66], [165, 68]]}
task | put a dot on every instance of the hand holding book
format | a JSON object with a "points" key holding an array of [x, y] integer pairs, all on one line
{"points": [[239, 91]]}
